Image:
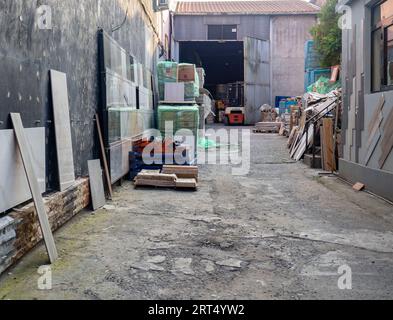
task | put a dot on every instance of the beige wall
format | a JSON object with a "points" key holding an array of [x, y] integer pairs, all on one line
{"points": [[288, 37]]}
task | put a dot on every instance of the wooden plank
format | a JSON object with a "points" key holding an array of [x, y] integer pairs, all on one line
{"points": [[376, 114], [61, 114], [372, 146], [303, 144], [96, 184], [386, 152], [104, 159], [292, 136], [375, 133], [34, 187], [328, 159], [186, 172], [375, 129], [186, 183]]}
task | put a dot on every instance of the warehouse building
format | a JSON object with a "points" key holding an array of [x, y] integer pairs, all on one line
{"points": [[260, 43], [368, 94]]}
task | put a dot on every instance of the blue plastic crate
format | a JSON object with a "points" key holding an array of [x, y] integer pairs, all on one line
{"points": [[285, 106], [278, 100]]}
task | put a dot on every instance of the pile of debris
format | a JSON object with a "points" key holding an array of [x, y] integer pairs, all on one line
{"points": [[270, 123], [318, 129]]}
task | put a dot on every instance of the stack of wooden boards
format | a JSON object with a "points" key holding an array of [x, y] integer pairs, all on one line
{"points": [[316, 107], [171, 176], [267, 127]]}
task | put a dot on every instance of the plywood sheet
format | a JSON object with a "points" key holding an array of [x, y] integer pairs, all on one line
{"points": [[34, 186], [103, 156], [96, 184], [14, 188], [61, 113]]}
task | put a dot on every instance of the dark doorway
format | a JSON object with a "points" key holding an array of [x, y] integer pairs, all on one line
{"points": [[223, 61]]}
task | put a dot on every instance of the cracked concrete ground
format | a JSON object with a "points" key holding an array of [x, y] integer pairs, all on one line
{"points": [[280, 232]]}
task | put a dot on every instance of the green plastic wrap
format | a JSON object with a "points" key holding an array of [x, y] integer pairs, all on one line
{"points": [[166, 72], [182, 117], [191, 89], [323, 86]]}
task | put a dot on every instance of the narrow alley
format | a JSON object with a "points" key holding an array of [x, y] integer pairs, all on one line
{"points": [[280, 232]]}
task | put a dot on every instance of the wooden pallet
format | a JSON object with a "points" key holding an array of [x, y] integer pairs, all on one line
{"points": [[156, 179], [264, 131], [177, 102]]}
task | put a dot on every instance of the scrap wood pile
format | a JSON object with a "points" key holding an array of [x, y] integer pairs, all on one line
{"points": [[318, 127], [271, 122], [169, 177]]}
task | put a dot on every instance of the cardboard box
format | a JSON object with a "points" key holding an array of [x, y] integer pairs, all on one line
{"points": [[174, 91], [186, 72]]}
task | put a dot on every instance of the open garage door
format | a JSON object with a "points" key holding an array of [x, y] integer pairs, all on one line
{"points": [[256, 77]]}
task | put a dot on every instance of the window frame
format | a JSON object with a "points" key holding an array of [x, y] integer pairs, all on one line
{"points": [[383, 25], [222, 26]]}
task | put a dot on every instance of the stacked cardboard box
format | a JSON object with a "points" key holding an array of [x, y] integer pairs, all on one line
{"points": [[177, 82], [166, 73]]}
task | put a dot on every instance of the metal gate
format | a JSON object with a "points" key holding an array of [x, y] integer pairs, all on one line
{"points": [[256, 77]]}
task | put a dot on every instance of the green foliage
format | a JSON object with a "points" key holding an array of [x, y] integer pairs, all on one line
{"points": [[327, 35]]}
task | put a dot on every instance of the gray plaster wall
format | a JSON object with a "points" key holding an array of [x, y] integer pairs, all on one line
{"points": [[288, 37], [27, 53], [360, 102]]}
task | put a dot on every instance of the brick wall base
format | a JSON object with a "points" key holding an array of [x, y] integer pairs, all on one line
{"points": [[20, 231]]}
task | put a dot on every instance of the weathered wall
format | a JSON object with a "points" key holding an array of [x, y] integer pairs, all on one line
{"points": [[27, 53], [360, 105], [20, 231], [189, 28], [288, 36]]}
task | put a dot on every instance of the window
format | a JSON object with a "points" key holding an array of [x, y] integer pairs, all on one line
{"points": [[382, 46], [222, 32], [131, 69]]}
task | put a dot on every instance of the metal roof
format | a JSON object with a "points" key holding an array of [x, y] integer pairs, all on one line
{"points": [[266, 7]]}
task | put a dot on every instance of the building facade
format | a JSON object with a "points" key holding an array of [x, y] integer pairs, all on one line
{"points": [[367, 60], [284, 25]]}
